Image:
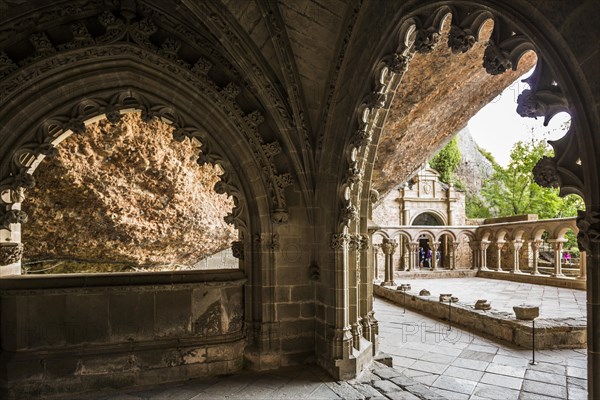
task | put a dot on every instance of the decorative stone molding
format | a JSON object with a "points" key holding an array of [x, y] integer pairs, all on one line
{"points": [[426, 40], [541, 103], [314, 272], [339, 241], [12, 217], [10, 253], [237, 249], [545, 173], [459, 40], [397, 63], [131, 32], [495, 60], [588, 223], [268, 241]]}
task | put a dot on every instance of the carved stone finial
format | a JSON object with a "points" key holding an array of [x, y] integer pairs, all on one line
{"points": [[545, 173], [426, 40], [496, 60], [542, 103], [459, 40]]}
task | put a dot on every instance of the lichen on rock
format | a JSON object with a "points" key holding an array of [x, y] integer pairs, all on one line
{"points": [[126, 192]]}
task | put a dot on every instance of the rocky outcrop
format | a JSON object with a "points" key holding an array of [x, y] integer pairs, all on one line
{"points": [[126, 192], [474, 168], [439, 93]]}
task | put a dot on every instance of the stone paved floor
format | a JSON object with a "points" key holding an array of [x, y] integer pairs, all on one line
{"points": [[460, 365], [554, 302], [453, 364]]}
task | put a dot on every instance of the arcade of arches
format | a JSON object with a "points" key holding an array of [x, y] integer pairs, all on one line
{"points": [[290, 99]]}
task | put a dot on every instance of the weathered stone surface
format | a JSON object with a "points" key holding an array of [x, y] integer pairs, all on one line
{"points": [[126, 192], [482, 304], [526, 312], [440, 90]]}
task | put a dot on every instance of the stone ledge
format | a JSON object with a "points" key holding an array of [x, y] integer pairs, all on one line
{"points": [[64, 281], [564, 333], [438, 274], [564, 282]]}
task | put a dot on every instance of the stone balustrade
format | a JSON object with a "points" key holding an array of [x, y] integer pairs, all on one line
{"points": [[520, 248]]}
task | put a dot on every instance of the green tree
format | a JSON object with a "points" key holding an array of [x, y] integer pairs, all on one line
{"points": [[446, 161], [512, 191]]}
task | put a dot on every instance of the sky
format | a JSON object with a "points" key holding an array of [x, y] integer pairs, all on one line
{"points": [[497, 126]]}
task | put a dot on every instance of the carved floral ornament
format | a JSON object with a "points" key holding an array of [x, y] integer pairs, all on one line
{"points": [[128, 33]]}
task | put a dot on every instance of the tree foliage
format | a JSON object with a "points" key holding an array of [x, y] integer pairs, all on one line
{"points": [[446, 161], [512, 191]]}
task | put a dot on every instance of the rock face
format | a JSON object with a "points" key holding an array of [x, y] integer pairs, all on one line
{"points": [[126, 193], [474, 167], [439, 93]]}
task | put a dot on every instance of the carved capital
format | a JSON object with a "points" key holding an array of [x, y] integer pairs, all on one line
{"points": [[339, 241], [545, 173], [388, 246], [10, 253], [373, 196]]}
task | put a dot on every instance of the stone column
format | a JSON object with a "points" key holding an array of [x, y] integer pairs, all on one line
{"points": [[557, 246], [474, 246], [535, 256], [388, 247], [454, 248], [342, 341], [516, 245], [483, 245], [582, 265], [414, 254], [434, 246], [499, 246], [375, 253]]}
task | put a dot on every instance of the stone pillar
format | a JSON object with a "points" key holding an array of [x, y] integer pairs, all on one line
{"points": [[557, 246], [535, 256], [414, 255], [454, 248], [516, 245], [342, 341], [483, 245], [388, 247], [474, 246], [434, 246], [499, 246], [582, 265], [375, 253]]}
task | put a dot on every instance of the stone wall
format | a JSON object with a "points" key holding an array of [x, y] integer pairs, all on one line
{"points": [[76, 334]]}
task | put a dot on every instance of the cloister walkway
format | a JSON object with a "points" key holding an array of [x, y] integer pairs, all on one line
{"points": [[461, 365]]}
